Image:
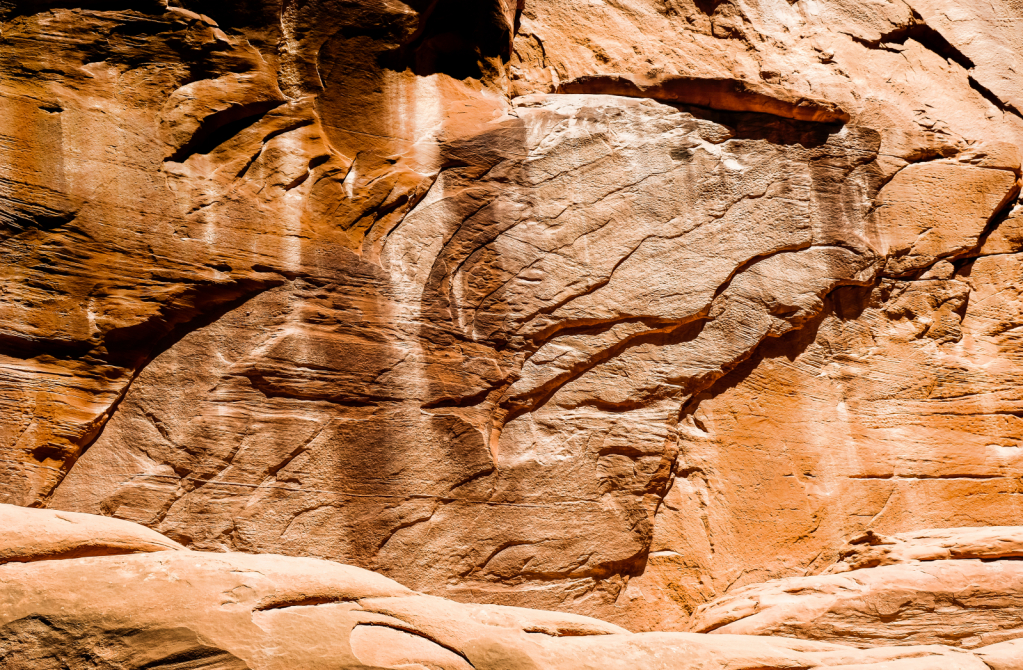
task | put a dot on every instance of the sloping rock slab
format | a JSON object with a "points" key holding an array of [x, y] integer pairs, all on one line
{"points": [[870, 550], [964, 603], [40, 534], [184, 609]]}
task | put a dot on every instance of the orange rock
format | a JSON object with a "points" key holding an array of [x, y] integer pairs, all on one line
{"points": [[967, 603], [40, 535], [918, 223], [609, 309], [238, 611], [871, 550]]}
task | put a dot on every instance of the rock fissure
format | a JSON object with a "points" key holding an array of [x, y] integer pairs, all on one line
{"points": [[618, 311]]}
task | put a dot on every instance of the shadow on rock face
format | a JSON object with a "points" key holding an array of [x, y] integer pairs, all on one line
{"points": [[400, 320], [45, 643], [458, 38], [486, 400]]}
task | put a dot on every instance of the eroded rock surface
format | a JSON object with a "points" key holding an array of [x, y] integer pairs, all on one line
{"points": [[231, 610], [601, 307], [871, 550], [968, 603], [847, 428], [47, 535], [953, 586]]}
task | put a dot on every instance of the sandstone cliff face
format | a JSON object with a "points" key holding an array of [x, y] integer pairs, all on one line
{"points": [[602, 307]]}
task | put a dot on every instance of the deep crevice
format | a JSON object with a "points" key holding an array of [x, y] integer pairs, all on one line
{"points": [[221, 127], [273, 603], [456, 38], [847, 302], [1002, 106], [714, 93], [708, 7], [997, 219], [926, 36]]}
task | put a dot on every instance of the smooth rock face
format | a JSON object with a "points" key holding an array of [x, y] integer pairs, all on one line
{"points": [[609, 308], [47, 535], [183, 609]]}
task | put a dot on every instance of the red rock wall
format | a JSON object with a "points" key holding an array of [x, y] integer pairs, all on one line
{"points": [[600, 307]]}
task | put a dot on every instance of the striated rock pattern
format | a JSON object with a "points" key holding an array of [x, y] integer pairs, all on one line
{"points": [[871, 550], [612, 308]]}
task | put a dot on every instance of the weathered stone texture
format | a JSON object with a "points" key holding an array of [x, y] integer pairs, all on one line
{"points": [[611, 308]]}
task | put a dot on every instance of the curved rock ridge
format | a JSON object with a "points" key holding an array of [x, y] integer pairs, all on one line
{"points": [[725, 93], [964, 603], [871, 550], [202, 610], [40, 535], [605, 307]]}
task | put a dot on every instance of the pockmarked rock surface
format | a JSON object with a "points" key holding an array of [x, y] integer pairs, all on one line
{"points": [[186, 609], [611, 308]]}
